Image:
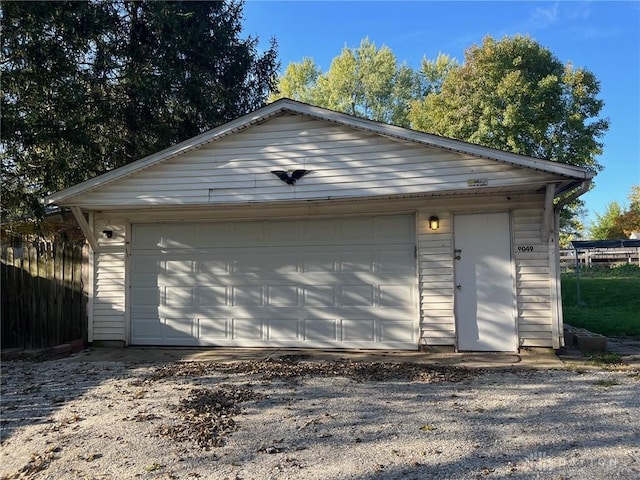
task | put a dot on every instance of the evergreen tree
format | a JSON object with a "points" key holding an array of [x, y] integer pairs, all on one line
{"points": [[90, 86]]}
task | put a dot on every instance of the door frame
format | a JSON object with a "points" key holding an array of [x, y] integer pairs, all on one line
{"points": [[512, 272]]}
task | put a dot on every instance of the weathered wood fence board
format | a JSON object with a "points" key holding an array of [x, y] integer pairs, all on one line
{"points": [[44, 301]]}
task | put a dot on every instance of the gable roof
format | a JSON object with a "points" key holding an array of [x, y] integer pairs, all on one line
{"points": [[574, 173]]}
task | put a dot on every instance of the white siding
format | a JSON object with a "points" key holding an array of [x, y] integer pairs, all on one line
{"points": [[345, 163], [435, 262], [533, 278], [109, 290], [434, 252], [533, 282]]}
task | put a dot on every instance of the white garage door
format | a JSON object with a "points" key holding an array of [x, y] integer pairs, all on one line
{"points": [[344, 283]]}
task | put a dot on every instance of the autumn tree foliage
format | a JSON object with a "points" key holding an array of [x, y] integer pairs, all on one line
{"points": [[618, 222], [511, 94], [366, 81]]}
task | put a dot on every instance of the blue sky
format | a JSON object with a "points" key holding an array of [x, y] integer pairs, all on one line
{"points": [[601, 36]]}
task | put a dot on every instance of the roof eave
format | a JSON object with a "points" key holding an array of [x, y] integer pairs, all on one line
{"points": [[228, 128], [262, 114]]}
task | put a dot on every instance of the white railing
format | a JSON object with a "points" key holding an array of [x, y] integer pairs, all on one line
{"points": [[598, 256]]}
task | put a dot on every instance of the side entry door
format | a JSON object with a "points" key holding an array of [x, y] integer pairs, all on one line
{"points": [[485, 288]]}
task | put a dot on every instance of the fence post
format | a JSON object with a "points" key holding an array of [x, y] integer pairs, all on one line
{"points": [[9, 297], [66, 292], [32, 300], [87, 289], [579, 299], [18, 298], [51, 291], [41, 289], [76, 292]]}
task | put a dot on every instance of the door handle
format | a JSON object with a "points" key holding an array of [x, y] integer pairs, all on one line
{"points": [[458, 253], [459, 287]]}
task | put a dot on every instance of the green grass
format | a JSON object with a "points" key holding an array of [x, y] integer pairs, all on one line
{"points": [[610, 300], [606, 383], [603, 359]]}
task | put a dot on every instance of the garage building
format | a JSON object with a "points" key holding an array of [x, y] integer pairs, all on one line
{"points": [[296, 226]]}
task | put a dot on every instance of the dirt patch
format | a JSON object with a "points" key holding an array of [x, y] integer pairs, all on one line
{"points": [[292, 367], [293, 418], [206, 415]]}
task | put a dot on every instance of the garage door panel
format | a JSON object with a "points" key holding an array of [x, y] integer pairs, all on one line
{"points": [[283, 296], [214, 267], [177, 266], [179, 328], [396, 295], [208, 234], [320, 329], [396, 331], [145, 264], [147, 236], [247, 233], [394, 228], [358, 330], [248, 328], [356, 296], [149, 330], [319, 295], [212, 295], [314, 262], [178, 235], [266, 279], [177, 296], [346, 282], [214, 328], [247, 263], [272, 262], [319, 232], [279, 233], [399, 258], [355, 230], [247, 295], [146, 296], [146, 313], [283, 329], [356, 261]]}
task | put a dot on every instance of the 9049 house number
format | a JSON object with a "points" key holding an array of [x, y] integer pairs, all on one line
{"points": [[525, 248]]}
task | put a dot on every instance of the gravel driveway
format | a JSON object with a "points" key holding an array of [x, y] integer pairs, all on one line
{"points": [[293, 419]]}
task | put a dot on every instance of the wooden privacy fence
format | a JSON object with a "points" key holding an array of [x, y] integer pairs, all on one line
{"points": [[44, 300]]}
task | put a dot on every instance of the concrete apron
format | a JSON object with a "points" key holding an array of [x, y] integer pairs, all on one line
{"points": [[534, 358]]}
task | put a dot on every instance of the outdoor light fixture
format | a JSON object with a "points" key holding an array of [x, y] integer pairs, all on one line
{"points": [[434, 222], [108, 233]]}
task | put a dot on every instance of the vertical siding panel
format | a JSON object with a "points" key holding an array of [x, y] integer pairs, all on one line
{"points": [[109, 283], [554, 278], [533, 283], [88, 280], [435, 266]]}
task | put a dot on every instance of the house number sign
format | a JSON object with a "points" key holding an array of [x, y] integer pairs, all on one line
{"points": [[525, 248]]}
